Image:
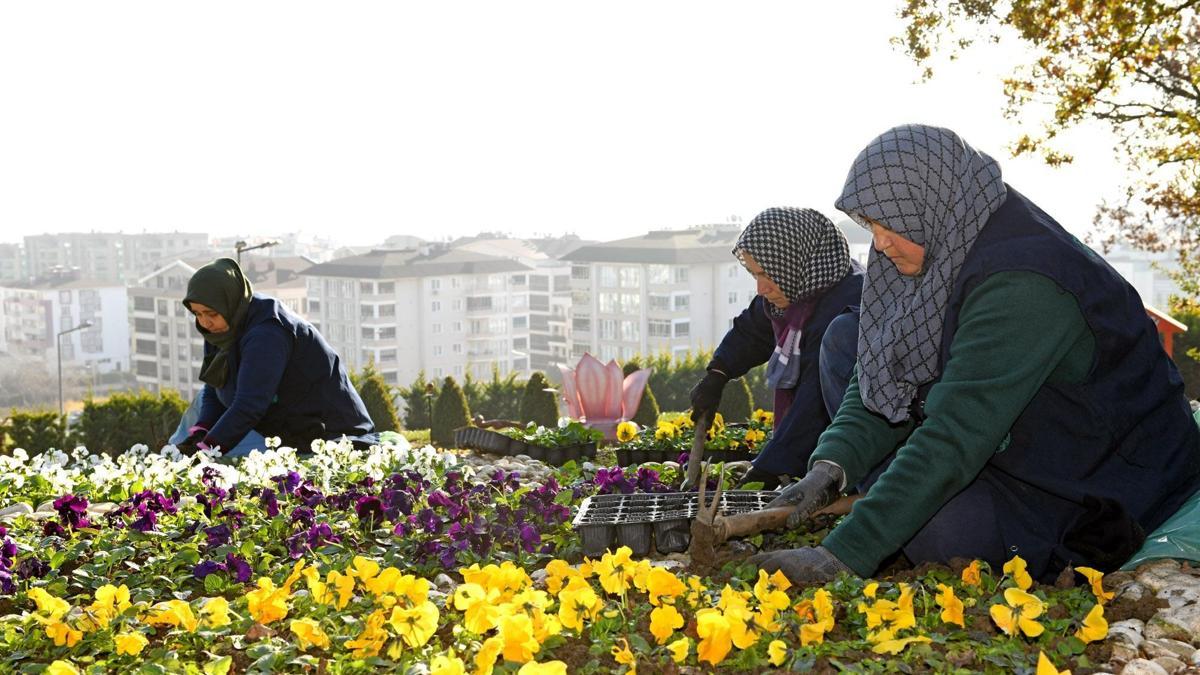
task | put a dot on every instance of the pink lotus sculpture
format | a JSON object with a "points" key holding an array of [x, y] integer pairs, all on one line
{"points": [[600, 395]]}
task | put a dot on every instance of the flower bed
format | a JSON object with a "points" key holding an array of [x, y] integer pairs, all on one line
{"points": [[356, 561], [671, 439], [569, 442]]}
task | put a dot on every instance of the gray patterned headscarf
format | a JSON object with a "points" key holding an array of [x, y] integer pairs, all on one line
{"points": [[800, 250], [930, 187]]}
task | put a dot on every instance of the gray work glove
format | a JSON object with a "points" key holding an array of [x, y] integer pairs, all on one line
{"points": [[819, 487], [802, 566]]}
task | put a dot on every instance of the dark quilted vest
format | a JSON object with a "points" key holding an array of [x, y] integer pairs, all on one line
{"points": [[1117, 449]]}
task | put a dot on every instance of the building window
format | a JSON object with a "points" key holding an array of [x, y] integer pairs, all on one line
{"points": [[608, 276], [658, 328], [387, 310], [387, 356], [456, 347], [368, 333], [454, 282], [366, 287], [387, 333], [457, 326], [608, 329], [681, 275], [437, 328], [386, 287], [682, 301], [629, 331], [437, 350], [683, 328], [733, 271], [631, 277], [143, 304], [658, 302], [458, 370], [367, 311], [437, 372], [581, 323], [435, 306], [733, 297], [435, 284], [520, 343], [520, 322], [658, 274]]}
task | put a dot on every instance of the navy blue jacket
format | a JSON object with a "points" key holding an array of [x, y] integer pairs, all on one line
{"points": [[750, 342], [1087, 465], [285, 380]]}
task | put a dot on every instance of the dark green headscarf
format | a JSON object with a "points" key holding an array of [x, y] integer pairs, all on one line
{"points": [[221, 286]]}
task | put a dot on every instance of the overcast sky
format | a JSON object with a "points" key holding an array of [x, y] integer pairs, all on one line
{"points": [[363, 120]]}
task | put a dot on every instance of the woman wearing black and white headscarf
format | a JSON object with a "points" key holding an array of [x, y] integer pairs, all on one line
{"points": [[801, 324], [1011, 395]]}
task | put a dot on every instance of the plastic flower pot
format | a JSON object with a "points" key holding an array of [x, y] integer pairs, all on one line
{"points": [[672, 536], [538, 452], [637, 536], [515, 447], [624, 457], [596, 539]]}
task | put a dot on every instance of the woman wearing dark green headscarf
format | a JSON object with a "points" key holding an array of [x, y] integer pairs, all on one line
{"points": [[265, 369]]}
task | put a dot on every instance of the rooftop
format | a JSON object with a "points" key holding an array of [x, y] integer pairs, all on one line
{"points": [[406, 263], [704, 244]]}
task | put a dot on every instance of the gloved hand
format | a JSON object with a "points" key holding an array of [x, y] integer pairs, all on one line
{"points": [[706, 395], [819, 487], [806, 565], [194, 441]]}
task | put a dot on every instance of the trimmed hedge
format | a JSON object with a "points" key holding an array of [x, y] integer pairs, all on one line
{"points": [[126, 419], [377, 397], [538, 405], [450, 412], [33, 430]]}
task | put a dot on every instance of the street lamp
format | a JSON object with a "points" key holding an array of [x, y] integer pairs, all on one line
{"points": [[58, 345], [242, 246], [429, 392]]}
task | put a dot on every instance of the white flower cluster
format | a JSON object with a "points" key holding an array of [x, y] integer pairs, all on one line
{"points": [[54, 472]]}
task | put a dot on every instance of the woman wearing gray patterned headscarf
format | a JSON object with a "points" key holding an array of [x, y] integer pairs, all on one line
{"points": [[1011, 395], [797, 324]]}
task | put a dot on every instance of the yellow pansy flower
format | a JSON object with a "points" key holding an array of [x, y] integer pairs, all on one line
{"points": [[1095, 626], [489, 652], [343, 585], [615, 571], [417, 624], [293, 577], [952, 607], [175, 613], [110, 601], [664, 621], [267, 603], [363, 569], [665, 431], [777, 652], [63, 634], [1046, 667], [130, 643], [626, 431], [770, 593], [661, 583], [679, 649], [1016, 569], [624, 656], [479, 609], [547, 668], [576, 605], [1019, 614], [870, 589], [897, 645], [714, 631], [971, 574], [216, 612], [308, 632], [61, 668], [447, 664], [814, 633], [763, 417], [1095, 578], [53, 608], [717, 426], [371, 639], [517, 633]]}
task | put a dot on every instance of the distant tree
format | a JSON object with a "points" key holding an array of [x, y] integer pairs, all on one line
{"points": [[537, 404], [736, 401], [416, 402], [1128, 65], [499, 397], [127, 418], [377, 396], [1187, 346], [450, 412], [647, 412], [33, 430]]}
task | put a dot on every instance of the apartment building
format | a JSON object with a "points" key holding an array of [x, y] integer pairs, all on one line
{"points": [[673, 290], [12, 262], [435, 308], [167, 351], [35, 312], [107, 256]]}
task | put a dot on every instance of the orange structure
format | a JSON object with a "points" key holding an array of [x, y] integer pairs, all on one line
{"points": [[1167, 327]]}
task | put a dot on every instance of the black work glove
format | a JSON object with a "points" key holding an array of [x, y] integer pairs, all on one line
{"points": [[802, 566], [706, 395], [819, 487], [191, 444]]}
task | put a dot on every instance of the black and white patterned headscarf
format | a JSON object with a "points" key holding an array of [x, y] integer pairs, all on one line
{"points": [[927, 185], [800, 250]]}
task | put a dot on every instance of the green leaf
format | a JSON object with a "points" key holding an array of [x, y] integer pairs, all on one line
{"points": [[219, 667], [57, 559]]}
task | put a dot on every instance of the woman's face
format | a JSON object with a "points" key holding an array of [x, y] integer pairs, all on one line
{"points": [[904, 254], [766, 288], [208, 318]]}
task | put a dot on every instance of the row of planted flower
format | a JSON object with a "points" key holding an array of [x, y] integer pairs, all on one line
{"points": [[330, 563]]}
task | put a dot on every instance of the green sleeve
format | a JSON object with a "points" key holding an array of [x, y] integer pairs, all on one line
{"points": [[1016, 331]]}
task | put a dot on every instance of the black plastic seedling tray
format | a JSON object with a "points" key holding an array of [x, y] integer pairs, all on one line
{"points": [[659, 521], [500, 444]]}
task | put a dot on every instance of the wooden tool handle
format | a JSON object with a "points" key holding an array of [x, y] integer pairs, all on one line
{"points": [[742, 524]]}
